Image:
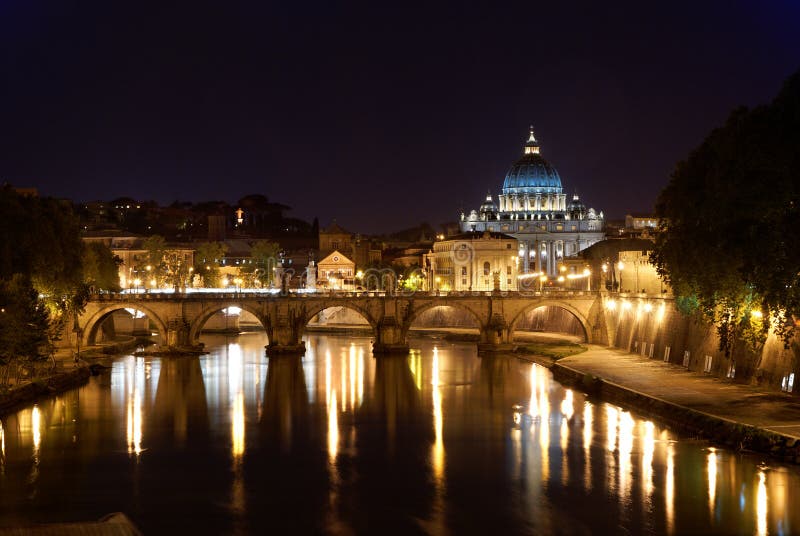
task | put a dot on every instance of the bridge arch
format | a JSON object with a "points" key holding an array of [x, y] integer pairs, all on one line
{"points": [[317, 308], [92, 324], [413, 314], [579, 316], [200, 320]]}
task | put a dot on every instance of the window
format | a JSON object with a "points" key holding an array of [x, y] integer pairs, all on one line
{"points": [[335, 244], [463, 281], [508, 246], [486, 268], [508, 270], [463, 270]]}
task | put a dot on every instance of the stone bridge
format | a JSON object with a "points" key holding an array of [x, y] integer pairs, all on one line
{"points": [[180, 317]]}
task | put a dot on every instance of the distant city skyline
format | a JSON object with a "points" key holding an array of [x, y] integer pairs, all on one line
{"points": [[378, 117]]}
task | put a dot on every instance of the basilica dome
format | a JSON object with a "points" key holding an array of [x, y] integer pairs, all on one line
{"points": [[532, 174]]}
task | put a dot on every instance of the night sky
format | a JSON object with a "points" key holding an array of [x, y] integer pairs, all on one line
{"points": [[381, 117]]}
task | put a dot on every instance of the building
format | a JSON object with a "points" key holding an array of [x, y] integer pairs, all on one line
{"points": [[533, 209], [473, 261], [640, 226], [336, 272], [334, 238]]}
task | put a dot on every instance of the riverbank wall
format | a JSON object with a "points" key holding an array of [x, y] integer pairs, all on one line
{"points": [[717, 429], [39, 388], [653, 327]]}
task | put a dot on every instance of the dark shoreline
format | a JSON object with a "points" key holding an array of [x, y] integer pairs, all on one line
{"points": [[41, 389]]}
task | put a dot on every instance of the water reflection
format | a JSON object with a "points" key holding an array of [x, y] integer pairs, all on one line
{"points": [[339, 441]]}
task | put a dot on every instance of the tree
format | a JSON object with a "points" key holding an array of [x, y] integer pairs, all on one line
{"points": [[24, 320], [207, 258], [728, 241], [101, 267], [264, 256], [156, 247]]}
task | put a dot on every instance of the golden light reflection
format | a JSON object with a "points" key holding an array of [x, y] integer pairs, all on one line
{"points": [[2, 446], [353, 373], [237, 425], [134, 371], [415, 366], [438, 444], [648, 449], [360, 376], [612, 421], [761, 505], [343, 378], [712, 481], [328, 380], [533, 405], [236, 390], [544, 425], [36, 422], [612, 416], [333, 428], [669, 489], [568, 405], [626, 424], [588, 417]]}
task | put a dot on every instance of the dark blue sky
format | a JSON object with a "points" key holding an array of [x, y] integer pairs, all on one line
{"points": [[380, 117]]}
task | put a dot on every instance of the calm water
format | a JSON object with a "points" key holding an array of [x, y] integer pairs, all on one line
{"points": [[439, 442]]}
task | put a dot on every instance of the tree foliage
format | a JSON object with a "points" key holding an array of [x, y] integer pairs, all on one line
{"points": [[101, 267], [207, 259], [265, 257], [729, 220]]}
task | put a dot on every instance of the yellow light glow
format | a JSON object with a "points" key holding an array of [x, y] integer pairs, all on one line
{"points": [[333, 428], [648, 307], [648, 450], [756, 314], [669, 492], [712, 481], [437, 452], [36, 422], [587, 444], [237, 425], [761, 505], [626, 424], [611, 305]]}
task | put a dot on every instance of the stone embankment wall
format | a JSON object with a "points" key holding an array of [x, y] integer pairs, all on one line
{"points": [[688, 421], [654, 328], [41, 388]]}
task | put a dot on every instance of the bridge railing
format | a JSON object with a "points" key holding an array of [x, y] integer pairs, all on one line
{"points": [[244, 294]]}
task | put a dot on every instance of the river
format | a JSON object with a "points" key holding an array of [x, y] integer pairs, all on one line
{"points": [[437, 442]]}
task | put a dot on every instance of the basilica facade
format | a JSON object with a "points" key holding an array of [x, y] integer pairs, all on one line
{"points": [[534, 209]]}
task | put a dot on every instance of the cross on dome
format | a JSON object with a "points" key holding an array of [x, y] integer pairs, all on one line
{"points": [[532, 146]]}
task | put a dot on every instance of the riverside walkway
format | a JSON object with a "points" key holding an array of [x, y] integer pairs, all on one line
{"points": [[774, 412]]}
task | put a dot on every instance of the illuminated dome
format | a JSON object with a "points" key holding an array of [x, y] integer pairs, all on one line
{"points": [[532, 174]]}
